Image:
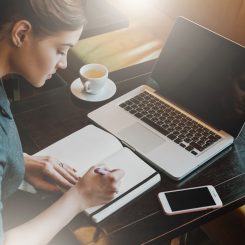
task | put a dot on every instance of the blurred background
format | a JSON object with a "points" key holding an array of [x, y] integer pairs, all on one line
{"points": [[148, 23]]}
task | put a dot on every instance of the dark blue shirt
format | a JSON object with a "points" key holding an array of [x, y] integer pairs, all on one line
{"points": [[11, 154]]}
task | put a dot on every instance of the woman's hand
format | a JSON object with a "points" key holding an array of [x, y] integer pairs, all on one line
{"points": [[47, 173], [96, 189]]}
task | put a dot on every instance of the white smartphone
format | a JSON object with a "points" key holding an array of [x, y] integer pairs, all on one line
{"points": [[189, 200]]}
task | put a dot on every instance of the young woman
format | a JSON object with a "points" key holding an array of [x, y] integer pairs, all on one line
{"points": [[35, 36]]}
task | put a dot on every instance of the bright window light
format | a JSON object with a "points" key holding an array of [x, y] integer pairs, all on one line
{"points": [[135, 5]]}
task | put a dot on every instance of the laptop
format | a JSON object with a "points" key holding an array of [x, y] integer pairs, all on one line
{"points": [[195, 109]]}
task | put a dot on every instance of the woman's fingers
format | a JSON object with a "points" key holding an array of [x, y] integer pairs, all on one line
{"points": [[46, 186], [62, 170], [59, 179], [71, 171]]}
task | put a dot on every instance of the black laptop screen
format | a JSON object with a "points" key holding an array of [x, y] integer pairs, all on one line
{"points": [[204, 74]]}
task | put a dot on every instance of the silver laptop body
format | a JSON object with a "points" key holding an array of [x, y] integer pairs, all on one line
{"points": [[195, 75]]}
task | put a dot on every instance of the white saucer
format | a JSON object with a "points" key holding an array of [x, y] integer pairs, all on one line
{"points": [[107, 92]]}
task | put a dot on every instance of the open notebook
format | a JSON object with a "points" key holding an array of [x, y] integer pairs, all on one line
{"points": [[91, 145]]}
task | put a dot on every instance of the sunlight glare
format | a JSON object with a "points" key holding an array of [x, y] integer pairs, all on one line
{"points": [[135, 5]]}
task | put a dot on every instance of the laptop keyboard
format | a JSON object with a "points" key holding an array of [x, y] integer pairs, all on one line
{"points": [[178, 127]]}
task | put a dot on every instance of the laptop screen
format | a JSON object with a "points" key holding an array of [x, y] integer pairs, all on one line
{"points": [[204, 74]]}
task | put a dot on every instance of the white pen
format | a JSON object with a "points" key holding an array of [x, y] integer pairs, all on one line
{"points": [[102, 171]]}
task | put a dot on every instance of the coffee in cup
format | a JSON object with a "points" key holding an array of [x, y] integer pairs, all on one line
{"points": [[93, 77]]}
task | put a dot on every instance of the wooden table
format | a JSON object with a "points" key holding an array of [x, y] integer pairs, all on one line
{"points": [[50, 116]]}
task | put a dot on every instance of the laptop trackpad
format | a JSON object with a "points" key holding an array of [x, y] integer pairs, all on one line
{"points": [[140, 138]]}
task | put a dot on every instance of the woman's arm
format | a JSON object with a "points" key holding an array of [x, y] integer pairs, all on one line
{"points": [[46, 225], [91, 190]]}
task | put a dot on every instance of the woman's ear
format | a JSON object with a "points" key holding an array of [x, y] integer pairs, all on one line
{"points": [[20, 31]]}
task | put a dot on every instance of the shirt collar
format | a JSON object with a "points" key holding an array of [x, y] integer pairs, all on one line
{"points": [[4, 103]]}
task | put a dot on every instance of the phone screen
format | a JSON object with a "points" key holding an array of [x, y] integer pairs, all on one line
{"points": [[188, 199]]}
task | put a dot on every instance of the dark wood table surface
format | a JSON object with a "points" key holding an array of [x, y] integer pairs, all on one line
{"points": [[50, 116]]}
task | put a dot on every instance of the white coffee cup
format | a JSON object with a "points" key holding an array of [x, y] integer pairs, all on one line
{"points": [[93, 77]]}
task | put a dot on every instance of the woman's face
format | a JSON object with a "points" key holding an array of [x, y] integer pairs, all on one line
{"points": [[38, 59]]}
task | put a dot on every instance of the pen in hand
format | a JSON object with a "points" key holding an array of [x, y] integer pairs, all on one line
{"points": [[102, 171]]}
